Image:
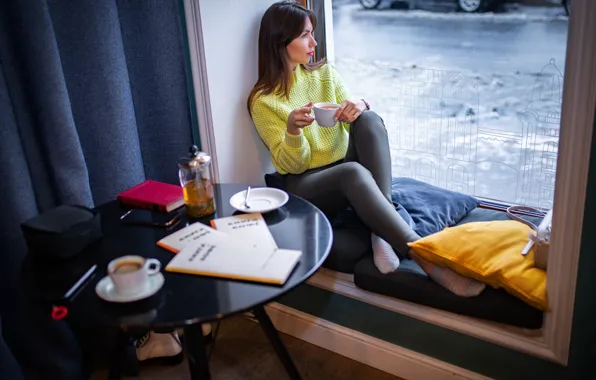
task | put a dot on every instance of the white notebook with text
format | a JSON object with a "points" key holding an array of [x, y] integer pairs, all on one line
{"points": [[208, 252], [250, 228]]}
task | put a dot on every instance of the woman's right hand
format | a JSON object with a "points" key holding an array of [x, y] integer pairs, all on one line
{"points": [[300, 118]]}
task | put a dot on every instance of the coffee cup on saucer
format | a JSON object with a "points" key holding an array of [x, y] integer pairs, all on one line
{"points": [[131, 274], [325, 114]]}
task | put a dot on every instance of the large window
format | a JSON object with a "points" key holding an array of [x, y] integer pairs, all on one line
{"points": [[472, 101]]}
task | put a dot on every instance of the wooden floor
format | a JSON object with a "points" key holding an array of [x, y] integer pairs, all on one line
{"points": [[242, 352]]}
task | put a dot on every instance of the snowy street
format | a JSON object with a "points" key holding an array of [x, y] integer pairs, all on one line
{"points": [[471, 101]]}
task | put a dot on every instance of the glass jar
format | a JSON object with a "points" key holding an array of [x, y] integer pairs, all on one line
{"points": [[195, 179]]}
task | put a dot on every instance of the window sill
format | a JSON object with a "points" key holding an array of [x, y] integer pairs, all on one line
{"points": [[525, 340]]}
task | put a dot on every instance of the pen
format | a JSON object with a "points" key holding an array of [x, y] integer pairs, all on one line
{"points": [[81, 280], [60, 311], [125, 214]]}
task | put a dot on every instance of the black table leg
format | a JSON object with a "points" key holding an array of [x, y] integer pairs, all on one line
{"points": [[116, 361], [194, 345], [278, 345], [124, 358]]}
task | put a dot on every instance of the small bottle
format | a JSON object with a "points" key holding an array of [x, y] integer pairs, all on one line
{"points": [[195, 179]]}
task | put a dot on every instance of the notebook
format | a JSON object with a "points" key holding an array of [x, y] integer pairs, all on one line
{"points": [[250, 228], [153, 195], [176, 241], [209, 252]]}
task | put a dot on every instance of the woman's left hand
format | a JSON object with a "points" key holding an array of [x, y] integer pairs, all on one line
{"points": [[349, 111]]}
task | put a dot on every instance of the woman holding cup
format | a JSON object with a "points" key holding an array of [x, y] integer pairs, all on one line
{"points": [[338, 157]]}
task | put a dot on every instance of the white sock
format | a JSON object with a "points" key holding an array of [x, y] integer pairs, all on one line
{"points": [[450, 280], [384, 257]]}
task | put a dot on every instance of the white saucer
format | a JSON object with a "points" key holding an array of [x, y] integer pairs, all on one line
{"points": [[261, 199], [106, 290]]}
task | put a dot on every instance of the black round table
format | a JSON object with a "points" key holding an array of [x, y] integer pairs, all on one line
{"points": [[187, 301]]}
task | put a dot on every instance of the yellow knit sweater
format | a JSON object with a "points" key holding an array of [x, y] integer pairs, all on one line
{"points": [[315, 146]]}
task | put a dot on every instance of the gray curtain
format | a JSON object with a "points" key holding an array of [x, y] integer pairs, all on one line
{"points": [[93, 100]]}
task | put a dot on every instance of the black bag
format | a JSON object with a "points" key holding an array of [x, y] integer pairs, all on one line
{"points": [[62, 232]]}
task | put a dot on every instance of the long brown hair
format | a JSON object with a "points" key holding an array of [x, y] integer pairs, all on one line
{"points": [[281, 23]]}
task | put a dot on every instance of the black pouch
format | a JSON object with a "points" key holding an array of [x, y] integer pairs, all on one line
{"points": [[62, 232]]}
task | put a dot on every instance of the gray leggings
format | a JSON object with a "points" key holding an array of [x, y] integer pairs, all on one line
{"points": [[362, 180]]}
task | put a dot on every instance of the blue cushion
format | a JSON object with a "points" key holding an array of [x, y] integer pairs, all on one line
{"points": [[431, 208], [426, 208]]}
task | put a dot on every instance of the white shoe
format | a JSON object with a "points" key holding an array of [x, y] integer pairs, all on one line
{"points": [[164, 348]]}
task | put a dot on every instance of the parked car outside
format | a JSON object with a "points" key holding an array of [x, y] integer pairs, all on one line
{"points": [[469, 6]]}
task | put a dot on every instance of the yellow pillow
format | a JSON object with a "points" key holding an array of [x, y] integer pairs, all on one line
{"points": [[489, 252]]}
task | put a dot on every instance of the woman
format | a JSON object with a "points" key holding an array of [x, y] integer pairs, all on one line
{"points": [[348, 164]]}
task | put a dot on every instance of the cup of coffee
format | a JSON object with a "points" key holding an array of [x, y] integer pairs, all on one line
{"points": [[130, 274], [325, 114]]}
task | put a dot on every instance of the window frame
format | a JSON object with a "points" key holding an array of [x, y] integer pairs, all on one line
{"points": [[579, 105], [577, 123]]}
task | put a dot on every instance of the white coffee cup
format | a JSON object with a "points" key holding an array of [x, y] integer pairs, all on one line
{"points": [[130, 274], [325, 114]]}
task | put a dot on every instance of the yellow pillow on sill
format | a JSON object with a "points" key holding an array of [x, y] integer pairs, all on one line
{"points": [[489, 252]]}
